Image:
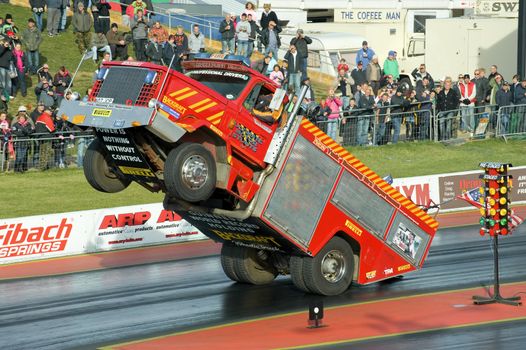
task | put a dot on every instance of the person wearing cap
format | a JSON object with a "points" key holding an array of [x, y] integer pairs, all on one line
{"points": [[38, 6], [243, 31], [228, 32], [301, 41], [373, 74], [43, 73], [468, 93], [31, 38], [391, 66], [358, 76], [21, 130], [117, 42], [9, 29], [82, 24], [503, 98], [365, 54], [271, 40]]}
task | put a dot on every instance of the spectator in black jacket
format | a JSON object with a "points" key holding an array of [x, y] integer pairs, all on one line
{"points": [[420, 73], [170, 52], [43, 73], [447, 102], [270, 39], [254, 32], [61, 82], [358, 76], [301, 41], [101, 17], [267, 16], [503, 98], [154, 51], [398, 103], [482, 90], [228, 32], [38, 6], [295, 62], [366, 105], [6, 56]]}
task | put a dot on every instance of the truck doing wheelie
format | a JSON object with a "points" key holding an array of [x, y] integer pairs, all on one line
{"points": [[234, 158]]}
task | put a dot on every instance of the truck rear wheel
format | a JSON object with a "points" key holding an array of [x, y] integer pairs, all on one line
{"points": [[330, 272], [190, 173], [296, 273], [246, 265], [228, 260], [98, 171]]}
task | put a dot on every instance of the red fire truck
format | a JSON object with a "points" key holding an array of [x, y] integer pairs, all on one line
{"points": [[238, 162]]}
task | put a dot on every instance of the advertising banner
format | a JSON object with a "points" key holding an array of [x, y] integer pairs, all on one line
{"points": [[497, 8], [367, 15]]}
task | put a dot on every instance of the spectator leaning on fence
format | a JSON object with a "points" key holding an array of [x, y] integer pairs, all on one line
{"points": [[44, 127], [447, 102], [21, 130]]}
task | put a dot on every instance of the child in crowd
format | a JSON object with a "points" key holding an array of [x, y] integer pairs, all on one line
{"points": [[276, 75]]}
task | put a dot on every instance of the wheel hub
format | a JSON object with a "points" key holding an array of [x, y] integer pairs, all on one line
{"points": [[194, 172], [333, 266]]}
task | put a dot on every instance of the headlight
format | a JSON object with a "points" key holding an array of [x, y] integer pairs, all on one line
{"points": [[152, 103]]}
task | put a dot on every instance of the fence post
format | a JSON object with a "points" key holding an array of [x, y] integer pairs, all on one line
{"points": [[435, 124], [169, 22]]}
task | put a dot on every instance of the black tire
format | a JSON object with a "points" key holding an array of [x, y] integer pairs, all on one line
{"points": [[228, 260], [249, 268], [194, 158], [296, 273], [327, 282], [98, 171]]}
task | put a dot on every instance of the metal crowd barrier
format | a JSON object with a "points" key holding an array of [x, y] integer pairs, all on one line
{"points": [[465, 123], [42, 152], [511, 121]]}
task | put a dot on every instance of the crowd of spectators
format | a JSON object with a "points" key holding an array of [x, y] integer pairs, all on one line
{"points": [[367, 104]]}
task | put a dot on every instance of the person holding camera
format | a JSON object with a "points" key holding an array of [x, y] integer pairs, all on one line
{"points": [[228, 33], [243, 32], [301, 41], [468, 93]]}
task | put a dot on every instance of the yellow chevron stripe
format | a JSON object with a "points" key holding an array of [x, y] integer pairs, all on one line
{"points": [[182, 97], [175, 93], [220, 114], [217, 122], [197, 104], [205, 107], [318, 133], [311, 129], [348, 156], [332, 145], [324, 137]]}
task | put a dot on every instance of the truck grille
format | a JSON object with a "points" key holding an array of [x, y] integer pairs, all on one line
{"points": [[126, 85]]}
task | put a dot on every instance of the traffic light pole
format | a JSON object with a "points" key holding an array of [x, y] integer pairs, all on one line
{"points": [[496, 298]]}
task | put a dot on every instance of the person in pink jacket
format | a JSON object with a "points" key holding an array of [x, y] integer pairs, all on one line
{"points": [[334, 103]]}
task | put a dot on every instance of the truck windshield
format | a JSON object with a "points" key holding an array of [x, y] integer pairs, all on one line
{"points": [[228, 84]]}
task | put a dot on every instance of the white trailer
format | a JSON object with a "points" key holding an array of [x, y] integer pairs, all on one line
{"points": [[460, 45]]}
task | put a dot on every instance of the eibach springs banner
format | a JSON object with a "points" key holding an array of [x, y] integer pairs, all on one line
{"points": [[46, 236]]}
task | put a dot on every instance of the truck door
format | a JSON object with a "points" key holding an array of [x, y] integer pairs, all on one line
{"points": [[253, 129]]}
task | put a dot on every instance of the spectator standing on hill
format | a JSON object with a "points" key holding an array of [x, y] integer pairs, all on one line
{"points": [[447, 102], [468, 93], [365, 54], [301, 41], [117, 42], [37, 7], [43, 73], [39, 109], [227, 30], [9, 29], [295, 62], [140, 35], [397, 106], [196, 42], [21, 129], [334, 104], [271, 40], [20, 62], [160, 32], [82, 23], [62, 22], [102, 21], [53, 16], [254, 32], [243, 32], [61, 81], [373, 74], [99, 43], [358, 76], [6, 56], [391, 66], [31, 38], [420, 73], [45, 94]]}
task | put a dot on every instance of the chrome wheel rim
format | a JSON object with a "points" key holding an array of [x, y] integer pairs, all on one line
{"points": [[194, 172], [333, 266]]}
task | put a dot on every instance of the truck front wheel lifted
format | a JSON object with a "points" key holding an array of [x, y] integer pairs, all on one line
{"points": [[331, 271], [98, 171], [190, 173]]}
